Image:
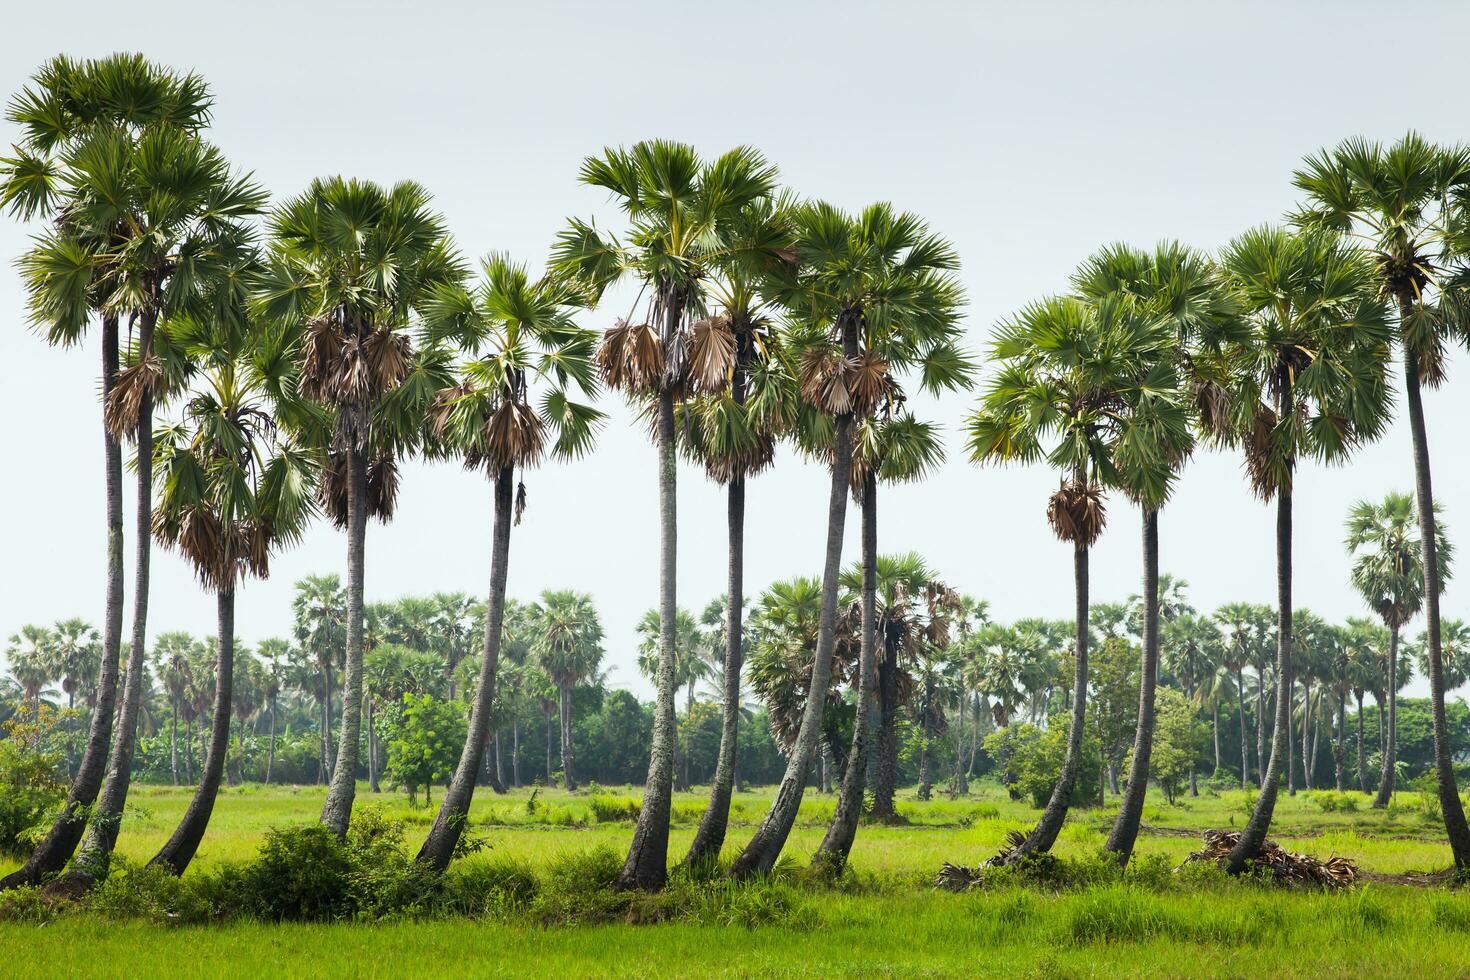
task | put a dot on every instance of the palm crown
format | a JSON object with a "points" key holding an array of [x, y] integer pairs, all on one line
{"points": [[1388, 567]]}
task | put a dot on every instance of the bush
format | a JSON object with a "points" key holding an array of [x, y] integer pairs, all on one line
{"points": [[1333, 802], [30, 788], [490, 888], [303, 873], [612, 809]]}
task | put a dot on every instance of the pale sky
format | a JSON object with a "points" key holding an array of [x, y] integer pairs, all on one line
{"points": [[1029, 134]]}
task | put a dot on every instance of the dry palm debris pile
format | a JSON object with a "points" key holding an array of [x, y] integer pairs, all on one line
{"points": [[1283, 867], [958, 878]]}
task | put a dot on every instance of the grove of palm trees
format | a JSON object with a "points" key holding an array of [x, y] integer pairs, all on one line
{"points": [[669, 692]]}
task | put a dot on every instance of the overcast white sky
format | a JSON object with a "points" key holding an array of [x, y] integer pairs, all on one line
{"points": [[1029, 134]]}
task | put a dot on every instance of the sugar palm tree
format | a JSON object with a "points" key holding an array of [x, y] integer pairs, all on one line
{"points": [[1071, 371], [142, 215], [693, 661], [171, 665], [349, 263], [568, 646], [29, 654], [1454, 652], [1363, 640], [1387, 572], [274, 653], [232, 489], [75, 653], [875, 298], [1242, 623], [1314, 644], [319, 611], [1309, 383], [677, 205], [1407, 202], [526, 354]]}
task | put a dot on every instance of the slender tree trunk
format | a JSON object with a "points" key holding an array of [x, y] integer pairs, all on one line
{"points": [[1291, 747], [885, 782], [444, 835], [565, 704], [1256, 828], [765, 847], [1189, 696], [499, 765], [173, 737], [842, 831], [60, 842], [1215, 727], [1260, 728], [1044, 834], [1339, 750], [92, 860], [926, 779], [1390, 728], [1245, 754], [337, 809], [1362, 764], [270, 757], [180, 848], [515, 751], [710, 836], [1317, 735], [1307, 758], [372, 734], [1130, 812]]}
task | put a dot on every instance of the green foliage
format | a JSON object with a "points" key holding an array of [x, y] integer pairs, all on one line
{"points": [[303, 873], [425, 744], [610, 809], [1178, 738], [1030, 760], [30, 784]]}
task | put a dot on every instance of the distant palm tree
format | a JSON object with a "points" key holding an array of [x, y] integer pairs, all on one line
{"points": [[1388, 572], [29, 653], [171, 665], [1309, 383], [693, 662], [1243, 624], [319, 610], [1071, 371], [274, 652], [349, 264], [1363, 640], [568, 646]]}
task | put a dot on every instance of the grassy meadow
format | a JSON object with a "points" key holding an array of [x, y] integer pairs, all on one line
{"points": [[885, 919]]}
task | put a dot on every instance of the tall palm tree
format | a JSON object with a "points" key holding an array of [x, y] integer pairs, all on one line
{"points": [[1363, 640], [1314, 643], [1071, 371], [1408, 202], [1181, 288], [1387, 572], [171, 665], [319, 611], [81, 162], [1454, 652], [677, 204], [349, 264], [1242, 625], [693, 661], [876, 298], [525, 349], [232, 490], [75, 654], [1309, 383], [274, 653], [568, 646], [29, 653]]}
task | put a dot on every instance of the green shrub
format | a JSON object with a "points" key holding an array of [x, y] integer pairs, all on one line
{"points": [[151, 892], [25, 904], [613, 809], [303, 873], [499, 888], [30, 785]]}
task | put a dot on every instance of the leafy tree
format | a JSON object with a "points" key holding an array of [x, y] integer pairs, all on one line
{"points": [[1178, 737], [425, 744]]}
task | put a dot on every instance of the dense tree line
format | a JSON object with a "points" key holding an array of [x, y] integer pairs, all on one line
{"points": [[273, 364]]}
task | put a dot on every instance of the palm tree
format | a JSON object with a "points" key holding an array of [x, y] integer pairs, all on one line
{"points": [[521, 334], [319, 609], [109, 151], [30, 658], [568, 646], [877, 298], [1309, 382], [232, 489], [1454, 652], [171, 665], [1408, 203], [1362, 640], [1242, 623], [275, 652], [1388, 555], [349, 264], [677, 205], [784, 629], [693, 661], [1072, 371], [1180, 287], [74, 660]]}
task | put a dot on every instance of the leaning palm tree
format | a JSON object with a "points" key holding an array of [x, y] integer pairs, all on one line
{"points": [[568, 646], [1309, 383], [231, 491], [1388, 574], [677, 205], [876, 298], [1408, 203], [512, 395], [108, 151], [1072, 371], [349, 264]]}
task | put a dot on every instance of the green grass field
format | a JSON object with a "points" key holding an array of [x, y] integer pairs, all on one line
{"points": [[888, 920]]}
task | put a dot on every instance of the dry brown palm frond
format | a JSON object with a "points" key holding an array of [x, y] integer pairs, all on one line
{"points": [[1282, 866], [520, 500], [825, 379], [630, 357], [712, 354], [870, 383], [382, 487], [957, 878], [1212, 404], [747, 461], [321, 353], [1076, 512], [352, 381], [442, 410], [389, 357], [514, 435], [125, 400], [1258, 463], [331, 490]]}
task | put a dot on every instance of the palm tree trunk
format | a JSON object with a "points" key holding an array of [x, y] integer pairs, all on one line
{"points": [[499, 784], [1362, 765], [180, 848], [444, 835], [1307, 758], [1292, 760], [1189, 696], [765, 847], [710, 836], [926, 733], [842, 831], [1260, 728], [885, 779], [1215, 726], [1316, 736], [56, 848], [1044, 834], [1390, 738], [549, 740], [565, 704], [1256, 828], [270, 757], [1130, 812], [173, 737], [92, 860], [1339, 750], [337, 810], [1245, 754], [515, 751], [372, 759], [1456, 827]]}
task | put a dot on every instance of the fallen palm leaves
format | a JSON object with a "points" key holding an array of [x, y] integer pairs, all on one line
{"points": [[1282, 866]]}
